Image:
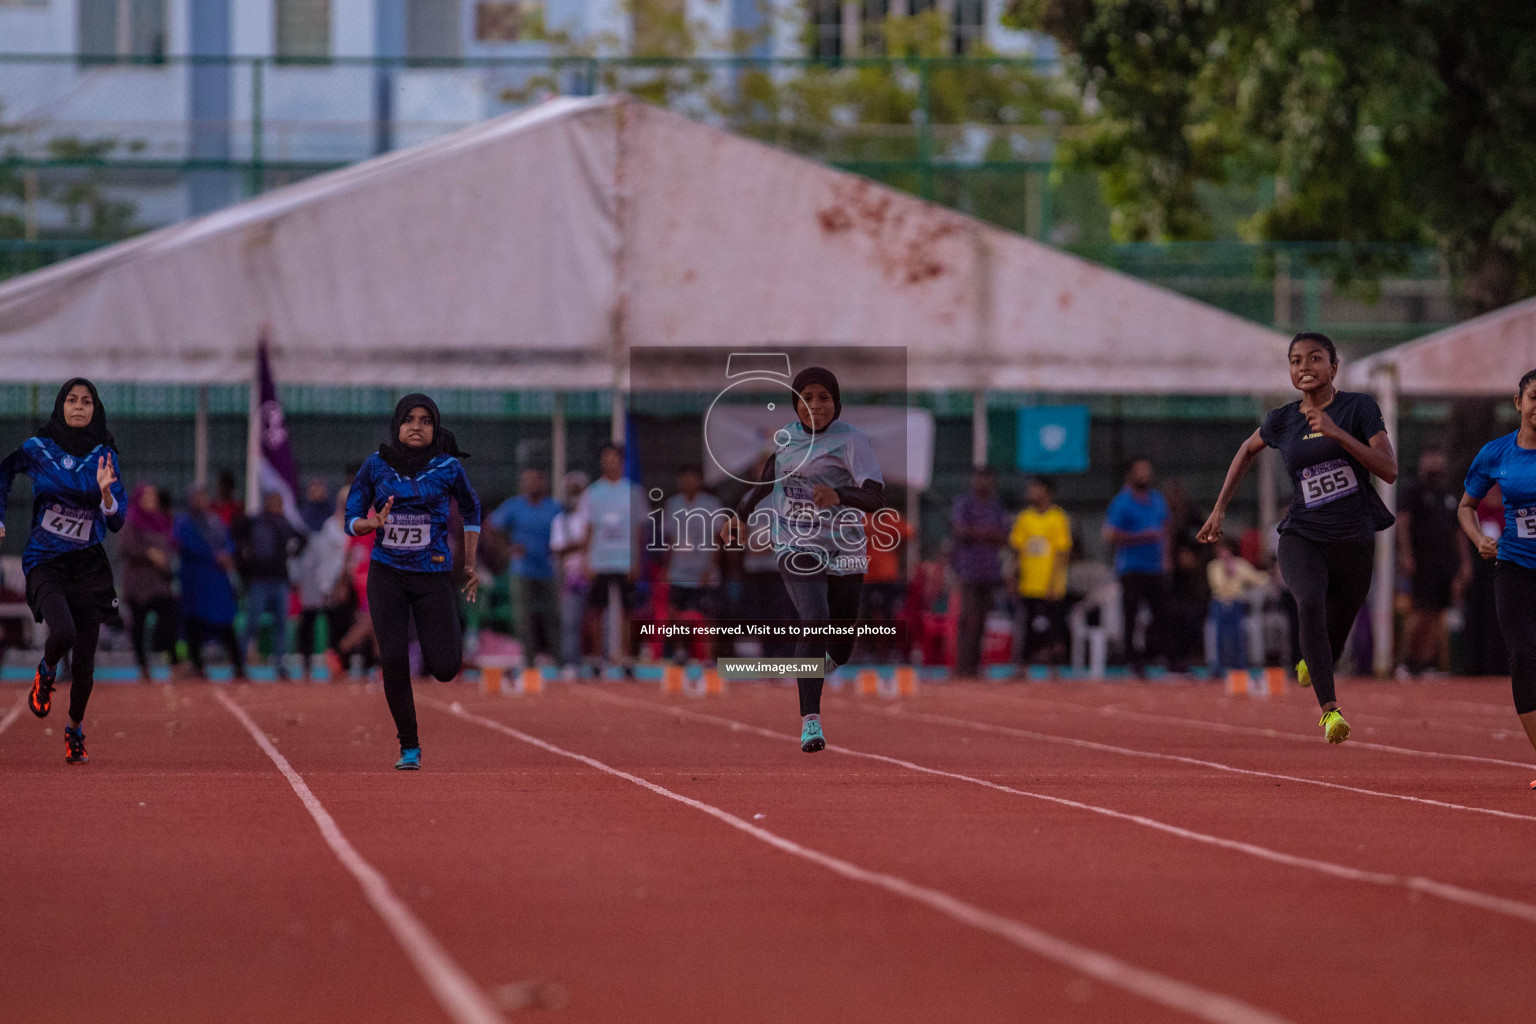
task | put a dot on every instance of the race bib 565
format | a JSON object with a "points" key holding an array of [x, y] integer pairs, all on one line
{"points": [[1327, 481]]}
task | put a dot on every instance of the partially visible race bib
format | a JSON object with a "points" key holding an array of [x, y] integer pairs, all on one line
{"points": [[407, 531], [70, 523], [1525, 523], [1327, 481], [799, 499]]}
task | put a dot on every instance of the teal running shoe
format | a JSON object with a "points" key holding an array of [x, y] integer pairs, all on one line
{"points": [[410, 760], [811, 739]]}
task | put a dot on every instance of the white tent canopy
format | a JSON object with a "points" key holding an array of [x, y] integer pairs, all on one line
{"points": [[540, 249], [1483, 356]]}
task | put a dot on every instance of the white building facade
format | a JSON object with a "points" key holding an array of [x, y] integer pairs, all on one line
{"points": [[213, 95]]}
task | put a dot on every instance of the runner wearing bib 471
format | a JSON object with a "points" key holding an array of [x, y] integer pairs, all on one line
{"points": [[1332, 442], [76, 499]]}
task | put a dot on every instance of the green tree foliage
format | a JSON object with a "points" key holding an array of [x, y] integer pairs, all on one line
{"points": [[1410, 122], [89, 210]]}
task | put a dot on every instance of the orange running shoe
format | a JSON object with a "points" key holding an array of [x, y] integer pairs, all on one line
{"points": [[74, 745], [41, 698]]}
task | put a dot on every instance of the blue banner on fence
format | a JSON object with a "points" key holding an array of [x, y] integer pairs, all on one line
{"points": [[1053, 439]]}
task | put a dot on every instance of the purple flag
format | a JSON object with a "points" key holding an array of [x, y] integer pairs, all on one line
{"points": [[275, 467]]}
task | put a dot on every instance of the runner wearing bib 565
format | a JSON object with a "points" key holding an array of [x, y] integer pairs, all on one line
{"points": [[1332, 442], [402, 494], [76, 499]]}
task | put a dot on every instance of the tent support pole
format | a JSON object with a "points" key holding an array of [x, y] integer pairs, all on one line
{"points": [[979, 428], [1269, 497], [1384, 586], [557, 446], [253, 450], [200, 439], [915, 542]]}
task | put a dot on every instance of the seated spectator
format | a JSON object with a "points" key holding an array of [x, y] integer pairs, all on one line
{"points": [[1232, 581]]}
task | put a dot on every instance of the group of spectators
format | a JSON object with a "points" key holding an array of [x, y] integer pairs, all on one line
{"points": [[580, 562], [1180, 602], [186, 574]]}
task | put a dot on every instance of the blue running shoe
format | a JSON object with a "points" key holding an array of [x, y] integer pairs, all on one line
{"points": [[410, 760], [811, 739]]}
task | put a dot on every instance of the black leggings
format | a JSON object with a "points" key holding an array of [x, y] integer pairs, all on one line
{"points": [[200, 634], [822, 600], [1514, 598], [72, 630], [394, 597], [167, 625], [1330, 581]]}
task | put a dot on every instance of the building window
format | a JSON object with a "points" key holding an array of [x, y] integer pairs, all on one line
{"points": [[970, 25], [303, 28], [432, 29], [826, 29], [111, 30], [872, 15]]}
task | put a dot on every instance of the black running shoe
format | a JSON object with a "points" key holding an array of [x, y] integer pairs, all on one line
{"points": [[74, 745]]}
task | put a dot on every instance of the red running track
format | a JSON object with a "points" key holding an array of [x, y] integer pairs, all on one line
{"points": [[1061, 852]]}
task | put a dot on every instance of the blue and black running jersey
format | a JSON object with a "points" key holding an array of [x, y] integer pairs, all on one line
{"points": [[1503, 462], [415, 536], [67, 512]]}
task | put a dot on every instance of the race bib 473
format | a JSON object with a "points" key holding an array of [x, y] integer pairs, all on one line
{"points": [[407, 532]]}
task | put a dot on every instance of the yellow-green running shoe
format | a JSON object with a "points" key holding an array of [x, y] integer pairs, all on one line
{"points": [[1303, 677], [1334, 726]]}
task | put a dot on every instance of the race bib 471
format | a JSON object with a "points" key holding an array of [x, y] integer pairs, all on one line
{"points": [[1327, 481], [69, 523]]}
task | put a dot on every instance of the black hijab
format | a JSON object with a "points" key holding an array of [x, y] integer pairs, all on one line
{"points": [[78, 441], [408, 461], [825, 377]]}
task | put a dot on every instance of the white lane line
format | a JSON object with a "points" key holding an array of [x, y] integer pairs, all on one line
{"points": [[1253, 730], [1444, 890], [1109, 748], [14, 713], [1149, 985], [456, 992]]}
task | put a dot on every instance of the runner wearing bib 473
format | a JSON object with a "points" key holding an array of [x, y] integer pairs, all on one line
{"points": [[402, 494], [1332, 442]]}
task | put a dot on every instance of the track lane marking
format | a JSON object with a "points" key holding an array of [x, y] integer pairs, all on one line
{"points": [[453, 988], [1250, 730], [14, 713], [1149, 985], [1444, 890], [1109, 748]]}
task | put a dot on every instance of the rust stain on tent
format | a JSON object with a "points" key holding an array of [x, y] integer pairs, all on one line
{"points": [[906, 235]]}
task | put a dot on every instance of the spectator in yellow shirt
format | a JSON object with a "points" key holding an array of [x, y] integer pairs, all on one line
{"points": [[1232, 579], [1042, 539]]}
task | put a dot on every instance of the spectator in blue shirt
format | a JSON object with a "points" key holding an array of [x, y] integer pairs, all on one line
{"points": [[525, 518], [1136, 527]]}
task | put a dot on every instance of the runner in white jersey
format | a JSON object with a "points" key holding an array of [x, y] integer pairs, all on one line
{"points": [[823, 476]]}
